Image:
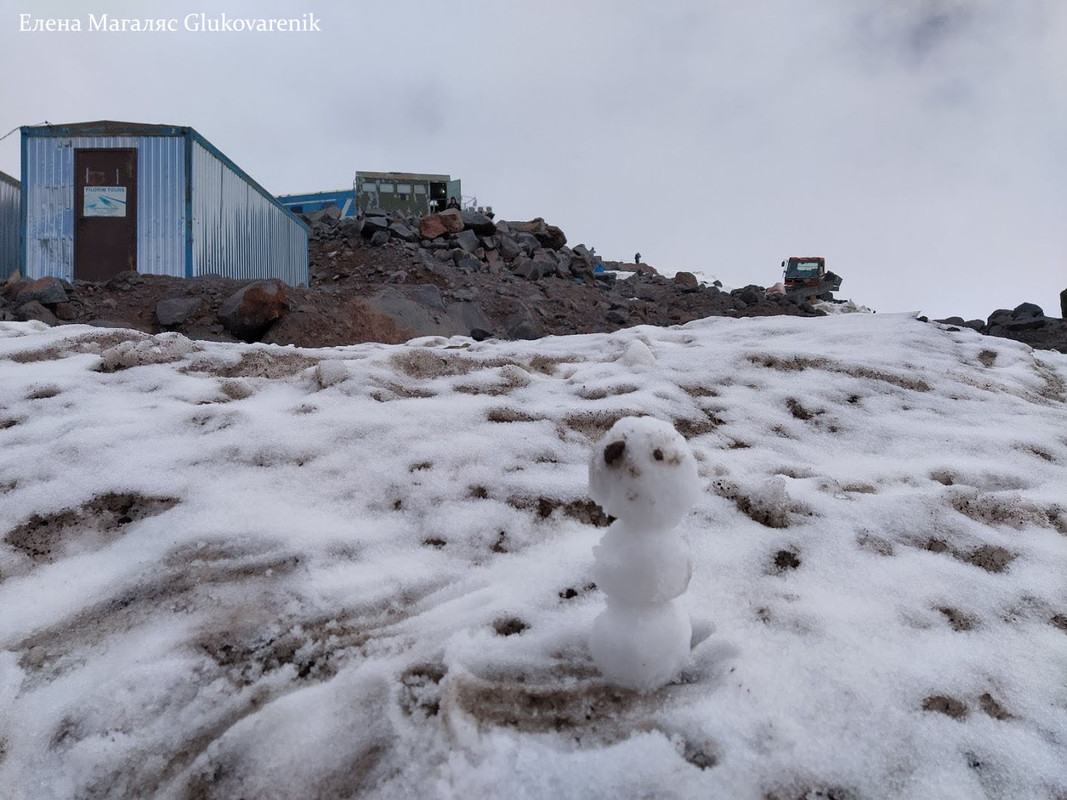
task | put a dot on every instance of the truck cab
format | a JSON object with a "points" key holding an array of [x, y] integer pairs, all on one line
{"points": [[808, 275]]}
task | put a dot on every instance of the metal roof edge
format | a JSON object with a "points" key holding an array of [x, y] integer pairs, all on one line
{"points": [[436, 177], [102, 128], [5, 178], [314, 194]]}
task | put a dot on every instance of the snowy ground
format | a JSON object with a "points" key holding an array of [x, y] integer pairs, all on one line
{"points": [[248, 571]]}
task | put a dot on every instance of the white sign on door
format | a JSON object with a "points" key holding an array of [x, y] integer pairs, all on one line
{"points": [[104, 201]]}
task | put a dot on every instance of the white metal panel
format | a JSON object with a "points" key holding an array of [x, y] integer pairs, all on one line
{"points": [[239, 232], [10, 220], [49, 177]]}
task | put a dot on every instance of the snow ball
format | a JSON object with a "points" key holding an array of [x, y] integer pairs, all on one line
{"points": [[641, 647], [644, 473], [637, 569]]}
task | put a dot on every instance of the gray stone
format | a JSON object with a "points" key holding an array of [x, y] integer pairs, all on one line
{"points": [[480, 334], [468, 240], [479, 223], [1027, 310], [1027, 323], [509, 249], [999, 317], [350, 226], [547, 235], [176, 310], [34, 310], [46, 291], [1063, 304], [379, 238], [373, 225], [974, 324], [616, 318], [528, 242], [403, 232], [469, 264], [527, 268], [544, 267], [749, 295]]}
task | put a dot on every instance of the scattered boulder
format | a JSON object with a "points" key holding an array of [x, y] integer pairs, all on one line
{"points": [[46, 291], [1027, 310], [173, 311], [508, 248], [687, 280], [468, 240], [547, 235], [248, 312], [477, 222], [749, 295], [452, 219], [379, 238], [431, 226], [402, 232], [373, 225], [1063, 304], [34, 310]]}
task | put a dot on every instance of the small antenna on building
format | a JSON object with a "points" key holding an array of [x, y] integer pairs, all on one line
{"points": [[19, 127]]}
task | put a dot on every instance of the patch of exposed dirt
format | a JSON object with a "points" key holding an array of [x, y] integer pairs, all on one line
{"points": [[578, 705], [46, 537], [949, 706], [584, 511]]}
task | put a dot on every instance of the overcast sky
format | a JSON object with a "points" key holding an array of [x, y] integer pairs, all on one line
{"points": [[919, 145]]}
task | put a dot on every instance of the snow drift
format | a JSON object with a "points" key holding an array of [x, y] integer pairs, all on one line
{"points": [[255, 571]]}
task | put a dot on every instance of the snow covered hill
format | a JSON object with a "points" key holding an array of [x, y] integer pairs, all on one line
{"points": [[253, 571]]}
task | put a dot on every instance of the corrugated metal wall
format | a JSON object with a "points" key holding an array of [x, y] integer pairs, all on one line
{"points": [[10, 220], [239, 232], [49, 174]]}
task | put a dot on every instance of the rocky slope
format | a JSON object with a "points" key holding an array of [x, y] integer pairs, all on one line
{"points": [[389, 278]]}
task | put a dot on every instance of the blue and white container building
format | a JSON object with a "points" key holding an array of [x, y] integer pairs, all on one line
{"points": [[10, 215], [344, 200], [99, 198]]}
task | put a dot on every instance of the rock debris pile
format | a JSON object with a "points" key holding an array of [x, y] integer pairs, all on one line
{"points": [[391, 277]]}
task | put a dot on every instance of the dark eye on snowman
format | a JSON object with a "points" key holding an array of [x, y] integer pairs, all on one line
{"points": [[613, 452], [657, 454]]}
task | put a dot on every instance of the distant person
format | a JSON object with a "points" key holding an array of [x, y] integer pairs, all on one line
{"points": [[637, 258], [452, 203]]}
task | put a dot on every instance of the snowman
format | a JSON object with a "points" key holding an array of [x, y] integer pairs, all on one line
{"points": [[643, 474]]}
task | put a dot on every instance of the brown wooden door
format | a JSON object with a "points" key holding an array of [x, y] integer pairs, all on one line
{"points": [[105, 213]]}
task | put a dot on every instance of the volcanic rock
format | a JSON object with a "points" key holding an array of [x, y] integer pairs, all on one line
{"points": [[46, 291], [34, 310], [248, 312], [479, 223]]}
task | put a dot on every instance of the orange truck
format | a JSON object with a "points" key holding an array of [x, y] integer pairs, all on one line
{"points": [[807, 275]]}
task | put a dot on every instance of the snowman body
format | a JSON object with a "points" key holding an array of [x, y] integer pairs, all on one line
{"points": [[644, 474]]}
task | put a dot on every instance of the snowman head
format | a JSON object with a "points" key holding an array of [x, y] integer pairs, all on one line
{"points": [[644, 474]]}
